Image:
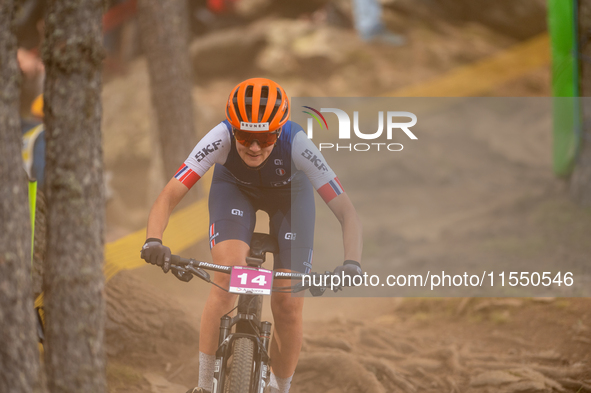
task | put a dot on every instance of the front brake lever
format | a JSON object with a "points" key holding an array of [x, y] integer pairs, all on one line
{"points": [[181, 273], [317, 291], [202, 274], [178, 269]]}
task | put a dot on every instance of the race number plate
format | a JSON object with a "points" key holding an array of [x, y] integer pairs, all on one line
{"points": [[251, 280]]}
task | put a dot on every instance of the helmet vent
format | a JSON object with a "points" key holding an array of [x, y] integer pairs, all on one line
{"points": [[263, 102], [236, 108], [276, 106], [247, 95], [284, 115], [279, 97]]}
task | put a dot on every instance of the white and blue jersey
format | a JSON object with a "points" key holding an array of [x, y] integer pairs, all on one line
{"points": [[281, 186]]}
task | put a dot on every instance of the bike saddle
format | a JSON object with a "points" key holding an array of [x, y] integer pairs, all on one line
{"points": [[262, 243]]}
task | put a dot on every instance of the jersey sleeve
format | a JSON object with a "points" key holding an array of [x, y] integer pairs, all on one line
{"points": [[308, 159], [212, 149]]}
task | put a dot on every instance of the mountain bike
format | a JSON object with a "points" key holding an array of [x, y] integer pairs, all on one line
{"points": [[242, 358]]}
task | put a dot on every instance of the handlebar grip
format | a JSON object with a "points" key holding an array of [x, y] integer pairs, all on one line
{"points": [[178, 260]]}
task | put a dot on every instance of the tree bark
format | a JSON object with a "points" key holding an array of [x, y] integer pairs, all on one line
{"points": [[74, 281], [163, 26], [19, 356], [580, 183], [40, 246]]}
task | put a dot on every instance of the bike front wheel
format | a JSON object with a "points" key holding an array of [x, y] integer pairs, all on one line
{"points": [[240, 377]]}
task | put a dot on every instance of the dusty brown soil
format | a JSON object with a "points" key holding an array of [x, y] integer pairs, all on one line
{"points": [[376, 344]]}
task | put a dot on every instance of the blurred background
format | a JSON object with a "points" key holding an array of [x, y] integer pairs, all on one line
{"points": [[311, 48], [349, 48]]}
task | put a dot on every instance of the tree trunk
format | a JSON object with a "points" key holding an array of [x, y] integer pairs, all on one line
{"points": [[74, 281], [163, 26], [40, 240], [19, 356], [580, 183]]}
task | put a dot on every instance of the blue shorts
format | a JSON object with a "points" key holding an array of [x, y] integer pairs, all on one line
{"points": [[291, 209]]}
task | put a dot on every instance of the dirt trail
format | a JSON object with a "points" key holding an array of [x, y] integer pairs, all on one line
{"points": [[486, 201]]}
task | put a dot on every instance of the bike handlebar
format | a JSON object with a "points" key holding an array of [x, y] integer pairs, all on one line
{"points": [[176, 260], [198, 268]]}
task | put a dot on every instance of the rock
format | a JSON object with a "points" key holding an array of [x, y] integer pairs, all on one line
{"points": [[526, 386], [493, 378], [387, 319], [322, 42], [278, 57], [517, 19], [329, 342], [522, 379], [340, 370], [222, 52], [251, 8], [496, 303], [142, 326], [425, 364], [293, 44], [159, 384], [536, 377]]}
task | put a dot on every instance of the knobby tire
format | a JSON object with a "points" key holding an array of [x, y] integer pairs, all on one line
{"points": [[242, 364]]}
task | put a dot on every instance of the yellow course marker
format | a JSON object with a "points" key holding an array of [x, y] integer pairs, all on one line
{"points": [[484, 75], [185, 228]]}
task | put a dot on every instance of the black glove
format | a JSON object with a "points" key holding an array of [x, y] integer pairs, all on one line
{"points": [[350, 268], [155, 253]]}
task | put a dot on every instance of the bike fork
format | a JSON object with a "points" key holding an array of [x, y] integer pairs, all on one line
{"points": [[220, 356], [262, 369], [261, 372]]}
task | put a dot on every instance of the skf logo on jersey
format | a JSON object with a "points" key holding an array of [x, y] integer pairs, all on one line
{"points": [[254, 126], [208, 149], [280, 171], [290, 236], [237, 212], [393, 122], [308, 155]]}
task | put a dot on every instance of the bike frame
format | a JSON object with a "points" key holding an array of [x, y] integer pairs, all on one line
{"points": [[247, 321]]}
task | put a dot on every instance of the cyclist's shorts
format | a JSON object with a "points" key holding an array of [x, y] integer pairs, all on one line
{"points": [[232, 215]]}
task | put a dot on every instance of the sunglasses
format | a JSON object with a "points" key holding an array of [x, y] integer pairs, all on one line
{"points": [[264, 139]]}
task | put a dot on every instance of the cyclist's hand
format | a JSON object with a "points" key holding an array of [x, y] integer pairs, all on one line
{"points": [[349, 268], [157, 254]]}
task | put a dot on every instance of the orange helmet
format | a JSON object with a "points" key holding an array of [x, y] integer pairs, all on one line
{"points": [[257, 105]]}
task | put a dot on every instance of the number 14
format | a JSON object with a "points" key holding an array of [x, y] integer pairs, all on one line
{"points": [[260, 279]]}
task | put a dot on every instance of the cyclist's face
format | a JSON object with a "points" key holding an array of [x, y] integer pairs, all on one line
{"points": [[253, 155]]}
